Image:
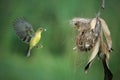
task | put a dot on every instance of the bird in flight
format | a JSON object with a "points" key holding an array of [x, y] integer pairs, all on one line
{"points": [[26, 33]]}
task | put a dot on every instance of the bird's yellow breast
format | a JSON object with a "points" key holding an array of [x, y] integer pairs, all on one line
{"points": [[35, 39]]}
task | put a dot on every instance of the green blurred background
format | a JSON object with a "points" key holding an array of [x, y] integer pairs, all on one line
{"points": [[56, 60]]}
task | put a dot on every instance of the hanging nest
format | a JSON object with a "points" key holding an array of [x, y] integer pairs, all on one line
{"points": [[86, 37], [89, 37], [86, 40]]}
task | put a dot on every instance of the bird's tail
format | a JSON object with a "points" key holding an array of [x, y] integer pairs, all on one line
{"points": [[28, 52], [107, 73]]}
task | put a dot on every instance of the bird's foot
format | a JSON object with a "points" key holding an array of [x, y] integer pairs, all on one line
{"points": [[39, 46]]}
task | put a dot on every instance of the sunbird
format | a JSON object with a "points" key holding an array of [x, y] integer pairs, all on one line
{"points": [[26, 33]]}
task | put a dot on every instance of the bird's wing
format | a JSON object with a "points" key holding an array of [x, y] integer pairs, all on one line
{"points": [[23, 29]]}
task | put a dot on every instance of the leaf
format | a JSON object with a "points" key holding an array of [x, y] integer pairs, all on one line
{"points": [[93, 23], [107, 34], [93, 55]]}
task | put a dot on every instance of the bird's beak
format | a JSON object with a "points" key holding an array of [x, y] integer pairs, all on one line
{"points": [[45, 29]]}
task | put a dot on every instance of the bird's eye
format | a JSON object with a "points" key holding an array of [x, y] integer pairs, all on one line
{"points": [[41, 29]]}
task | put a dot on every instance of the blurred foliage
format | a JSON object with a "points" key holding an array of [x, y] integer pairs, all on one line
{"points": [[56, 60]]}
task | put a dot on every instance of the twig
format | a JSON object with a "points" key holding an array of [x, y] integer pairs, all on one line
{"points": [[103, 4], [101, 8]]}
